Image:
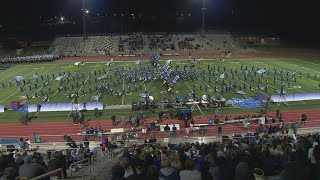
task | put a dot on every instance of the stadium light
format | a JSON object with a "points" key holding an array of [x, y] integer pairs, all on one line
{"points": [[84, 16], [203, 16]]}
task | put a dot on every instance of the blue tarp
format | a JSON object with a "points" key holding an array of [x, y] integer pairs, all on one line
{"points": [[246, 103], [8, 141], [1, 108]]}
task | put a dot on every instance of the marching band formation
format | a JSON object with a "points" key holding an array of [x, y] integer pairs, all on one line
{"points": [[28, 59]]}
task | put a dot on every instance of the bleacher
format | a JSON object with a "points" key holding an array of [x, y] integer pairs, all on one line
{"points": [[139, 42], [68, 45], [103, 44], [162, 42]]}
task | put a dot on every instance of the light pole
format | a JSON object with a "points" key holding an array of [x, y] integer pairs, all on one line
{"points": [[84, 12], [203, 16]]}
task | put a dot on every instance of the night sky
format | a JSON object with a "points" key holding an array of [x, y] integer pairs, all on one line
{"points": [[289, 18]]}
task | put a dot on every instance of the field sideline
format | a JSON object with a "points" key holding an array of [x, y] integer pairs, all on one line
{"points": [[183, 87]]}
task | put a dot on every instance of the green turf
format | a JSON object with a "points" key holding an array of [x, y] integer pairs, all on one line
{"points": [[9, 94]]}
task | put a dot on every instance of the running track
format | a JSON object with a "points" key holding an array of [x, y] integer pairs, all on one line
{"points": [[54, 131]]}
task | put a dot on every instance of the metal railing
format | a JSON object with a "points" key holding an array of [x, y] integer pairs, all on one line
{"points": [[91, 167], [49, 173], [82, 165]]}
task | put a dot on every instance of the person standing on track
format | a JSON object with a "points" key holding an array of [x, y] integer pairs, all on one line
{"points": [[113, 118]]}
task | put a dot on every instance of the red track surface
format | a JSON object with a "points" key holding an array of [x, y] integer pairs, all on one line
{"points": [[185, 56], [54, 131]]}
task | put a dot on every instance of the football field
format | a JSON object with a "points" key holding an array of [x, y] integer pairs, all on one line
{"points": [[125, 81]]}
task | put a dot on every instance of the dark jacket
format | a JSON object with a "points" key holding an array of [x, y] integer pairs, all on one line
{"points": [[295, 171], [168, 174], [137, 177], [267, 165], [54, 164], [31, 170]]}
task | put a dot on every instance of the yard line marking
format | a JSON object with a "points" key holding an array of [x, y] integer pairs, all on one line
{"points": [[306, 62], [84, 85], [75, 72], [14, 73], [290, 70], [124, 66], [8, 70], [209, 84], [49, 79], [18, 89], [145, 88], [10, 96], [85, 81], [192, 91]]}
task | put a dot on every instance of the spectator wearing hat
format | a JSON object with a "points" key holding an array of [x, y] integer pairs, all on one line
{"points": [[8, 174], [31, 170]]}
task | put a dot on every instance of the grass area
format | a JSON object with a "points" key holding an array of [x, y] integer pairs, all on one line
{"points": [[85, 78]]}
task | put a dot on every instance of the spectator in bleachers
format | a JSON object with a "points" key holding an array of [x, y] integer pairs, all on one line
{"points": [[296, 169], [127, 167], [139, 174], [55, 163], [153, 173], [167, 172], [190, 173], [176, 163], [8, 174], [31, 170], [117, 172], [243, 171], [214, 170], [205, 174], [315, 173]]}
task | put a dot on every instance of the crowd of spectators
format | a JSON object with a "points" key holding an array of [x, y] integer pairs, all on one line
{"points": [[161, 42], [132, 43], [188, 43], [271, 156], [68, 45], [17, 164], [103, 44], [29, 59]]}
